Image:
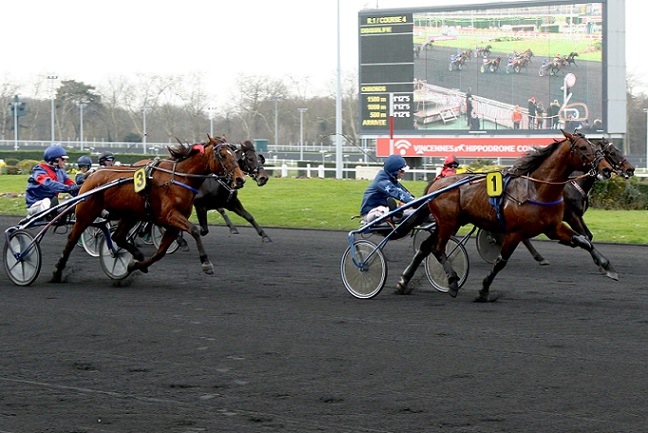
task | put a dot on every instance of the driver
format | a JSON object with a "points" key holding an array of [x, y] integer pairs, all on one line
{"points": [[381, 195], [47, 180]]}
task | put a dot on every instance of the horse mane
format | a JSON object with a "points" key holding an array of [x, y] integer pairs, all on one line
{"points": [[182, 151], [531, 160], [247, 145]]}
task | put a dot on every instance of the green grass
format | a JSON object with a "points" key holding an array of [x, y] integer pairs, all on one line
{"points": [[331, 204]]}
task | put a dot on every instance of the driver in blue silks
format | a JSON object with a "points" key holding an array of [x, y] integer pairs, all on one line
{"points": [[381, 195]]}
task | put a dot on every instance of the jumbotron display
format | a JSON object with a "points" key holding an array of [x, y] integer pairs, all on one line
{"points": [[506, 69]]}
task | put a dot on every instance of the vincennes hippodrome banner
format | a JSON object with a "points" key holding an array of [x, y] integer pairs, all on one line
{"points": [[473, 147]]}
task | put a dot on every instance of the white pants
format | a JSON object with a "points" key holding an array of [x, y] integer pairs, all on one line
{"points": [[380, 211], [39, 206]]}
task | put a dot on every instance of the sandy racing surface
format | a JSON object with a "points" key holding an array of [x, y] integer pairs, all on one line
{"points": [[273, 343]]}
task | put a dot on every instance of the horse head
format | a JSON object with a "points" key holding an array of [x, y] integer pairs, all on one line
{"points": [[587, 156], [224, 162], [617, 160], [252, 163]]}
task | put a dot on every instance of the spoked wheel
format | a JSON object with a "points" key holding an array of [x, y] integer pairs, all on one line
{"points": [[114, 264], [156, 236], [489, 245], [458, 257], [421, 234], [367, 281], [90, 239], [22, 258]]}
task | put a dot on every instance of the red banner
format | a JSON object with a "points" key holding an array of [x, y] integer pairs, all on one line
{"points": [[471, 147]]}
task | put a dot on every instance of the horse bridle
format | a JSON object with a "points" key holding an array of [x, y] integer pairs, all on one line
{"points": [[245, 165], [598, 154], [609, 149]]}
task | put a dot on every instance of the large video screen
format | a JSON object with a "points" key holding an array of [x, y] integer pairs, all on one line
{"points": [[489, 69]]}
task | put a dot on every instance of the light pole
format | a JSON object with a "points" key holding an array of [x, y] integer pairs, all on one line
{"points": [[52, 78], [301, 132], [81, 104], [144, 129], [15, 104], [211, 110], [276, 99], [646, 111]]}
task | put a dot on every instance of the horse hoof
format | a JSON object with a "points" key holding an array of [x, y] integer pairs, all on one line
{"points": [[56, 277], [204, 232], [402, 289], [208, 268], [265, 239], [453, 291], [612, 274], [484, 299], [234, 232], [184, 248], [544, 262]]}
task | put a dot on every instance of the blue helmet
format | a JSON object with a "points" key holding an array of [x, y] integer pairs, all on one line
{"points": [[393, 164], [84, 160], [52, 153]]}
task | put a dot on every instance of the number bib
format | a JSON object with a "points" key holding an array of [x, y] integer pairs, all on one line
{"points": [[494, 184], [139, 180]]}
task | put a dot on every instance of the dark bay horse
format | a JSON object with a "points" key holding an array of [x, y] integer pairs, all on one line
{"points": [[167, 199], [576, 193], [215, 194], [530, 205]]}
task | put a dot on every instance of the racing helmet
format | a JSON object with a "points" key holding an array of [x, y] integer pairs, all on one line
{"points": [[394, 163], [106, 156], [451, 161], [52, 153], [84, 161]]}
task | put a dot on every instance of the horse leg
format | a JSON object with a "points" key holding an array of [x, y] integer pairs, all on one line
{"points": [[599, 259], [121, 238], [536, 255], [176, 222], [79, 227], [201, 213], [423, 251], [508, 247], [233, 229], [238, 208], [577, 223]]}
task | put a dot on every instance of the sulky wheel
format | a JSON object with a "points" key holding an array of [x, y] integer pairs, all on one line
{"points": [[114, 263], [156, 236], [22, 258], [489, 245], [458, 257], [90, 239], [366, 281]]}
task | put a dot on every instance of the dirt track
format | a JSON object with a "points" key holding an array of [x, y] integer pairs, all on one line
{"points": [[273, 342]]}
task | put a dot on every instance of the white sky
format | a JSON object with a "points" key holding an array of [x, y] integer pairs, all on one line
{"points": [[219, 39]]}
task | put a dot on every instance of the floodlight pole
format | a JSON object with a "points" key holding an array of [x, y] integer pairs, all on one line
{"points": [[301, 133], [52, 78]]}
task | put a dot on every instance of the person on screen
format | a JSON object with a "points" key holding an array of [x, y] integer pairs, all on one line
{"points": [[516, 117], [554, 112], [532, 112]]}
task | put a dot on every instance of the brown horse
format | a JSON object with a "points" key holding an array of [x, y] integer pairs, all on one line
{"points": [[531, 204], [576, 193], [167, 199]]}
